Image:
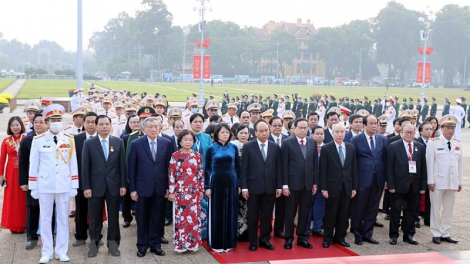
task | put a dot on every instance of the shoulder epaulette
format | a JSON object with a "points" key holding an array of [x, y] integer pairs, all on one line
{"points": [[434, 139], [122, 122], [70, 136], [458, 140], [38, 136], [134, 133], [67, 127]]}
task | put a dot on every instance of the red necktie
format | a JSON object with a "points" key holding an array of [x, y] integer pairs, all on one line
{"points": [[410, 158], [301, 142], [319, 149]]}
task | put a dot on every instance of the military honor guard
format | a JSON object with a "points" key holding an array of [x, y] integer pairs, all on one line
{"points": [[53, 178], [433, 107], [444, 168], [459, 113], [77, 124], [120, 120], [390, 112], [230, 117]]}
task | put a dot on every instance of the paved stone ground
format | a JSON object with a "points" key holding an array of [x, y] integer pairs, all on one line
{"points": [[12, 246]]}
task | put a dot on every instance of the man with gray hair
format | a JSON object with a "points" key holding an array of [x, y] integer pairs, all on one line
{"points": [[148, 162]]}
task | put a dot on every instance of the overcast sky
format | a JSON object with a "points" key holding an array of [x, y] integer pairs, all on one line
{"points": [[56, 20]]}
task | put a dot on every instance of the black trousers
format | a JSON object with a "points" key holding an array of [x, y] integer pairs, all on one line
{"points": [[32, 222], [386, 202], [280, 214], [95, 208], [150, 216], [126, 207], [365, 209], [336, 217], [81, 216], [405, 202], [302, 200], [260, 207]]}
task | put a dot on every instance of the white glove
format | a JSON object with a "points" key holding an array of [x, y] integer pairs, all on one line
{"points": [[35, 194], [73, 192]]}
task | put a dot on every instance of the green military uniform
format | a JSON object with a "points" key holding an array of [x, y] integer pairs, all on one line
{"points": [[424, 111], [405, 105], [397, 107], [410, 104], [464, 106], [433, 107], [224, 106], [274, 106], [305, 108], [287, 104]]}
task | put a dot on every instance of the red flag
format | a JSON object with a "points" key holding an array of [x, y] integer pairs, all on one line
{"points": [[429, 50], [199, 45], [420, 50]]}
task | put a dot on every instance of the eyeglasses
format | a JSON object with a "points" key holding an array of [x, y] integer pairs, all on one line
{"points": [[276, 125], [409, 133], [135, 122]]}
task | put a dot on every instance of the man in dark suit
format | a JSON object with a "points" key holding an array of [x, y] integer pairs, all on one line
{"points": [[148, 162], [299, 179], [338, 176], [331, 119], [396, 127], [280, 212], [406, 177], [312, 119], [261, 183], [32, 205], [81, 203], [371, 154], [104, 179], [356, 123]]}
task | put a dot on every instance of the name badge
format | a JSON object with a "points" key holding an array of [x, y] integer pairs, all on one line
{"points": [[412, 166]]}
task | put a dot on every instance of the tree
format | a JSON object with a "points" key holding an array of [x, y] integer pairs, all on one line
{"points": [[451, 36], [288, 49], [396, 31]]}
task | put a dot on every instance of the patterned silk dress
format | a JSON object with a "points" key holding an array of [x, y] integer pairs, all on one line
{"points": [[186, 181]]}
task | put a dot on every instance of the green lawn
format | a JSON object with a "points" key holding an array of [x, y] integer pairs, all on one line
{"points": [[4, 83], [178, 92], [36, 88]]}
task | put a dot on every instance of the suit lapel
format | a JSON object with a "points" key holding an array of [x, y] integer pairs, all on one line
{"points": [[147, 147], [258, 151], [159, 147], [297, 146], [336, 153], [97, 143]]}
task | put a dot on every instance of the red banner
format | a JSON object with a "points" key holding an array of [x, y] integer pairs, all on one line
{"points": [[427, 77], [207, 67], [197, 67]]}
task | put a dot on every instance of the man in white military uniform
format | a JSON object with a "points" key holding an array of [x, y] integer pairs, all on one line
{"points": [[31, 107], [459, 113], [107, 108], [444, 165], [74, 100], [50, 183], [77, 126], [119, 122], [173, 115], [231, 117], [192, 107], [390, 114], [212, 108]]}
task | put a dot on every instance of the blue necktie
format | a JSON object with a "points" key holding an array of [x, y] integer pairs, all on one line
{"points": [[105, 149], [372, 147], [341, 155]]}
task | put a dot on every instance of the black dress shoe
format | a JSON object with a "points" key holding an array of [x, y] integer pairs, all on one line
{"points": [[158, 251], [387, 217], [126, 224], [168, 222], [163, 240], [378, 224], [140, 253], [449, 240], [317, 233], [343, 243], [288, 245], [92, 252], [280, 234], [410, 240], [436, 240], [72, 214], [358, 242], [78, 243], [114, 251], [31, 244], [326, 244], [304, 244], [417, 224], [253, 247], [371, 240], [266, 245], [393, 241]]}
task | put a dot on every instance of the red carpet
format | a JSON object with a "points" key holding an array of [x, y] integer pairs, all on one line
{"points": [[415, 258], [242, 254]]}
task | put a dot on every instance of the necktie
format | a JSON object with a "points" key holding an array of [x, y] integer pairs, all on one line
{"points": [[319, 149], [90, 137], [372, 146], [152, 143], [78, 130], [106, 113], [105, 149], [410, 157], [231, 119], [448, 144], [341, 155], [55, 140], [262, 152], [278, 141], [301, 142]]}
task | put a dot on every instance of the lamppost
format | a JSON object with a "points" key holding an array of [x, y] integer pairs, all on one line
{"points": [[79, 46], [202, 26], [426, 18], [277, 61]]}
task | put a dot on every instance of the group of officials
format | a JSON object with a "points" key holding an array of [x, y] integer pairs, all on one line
{"points": [[347, 169]]}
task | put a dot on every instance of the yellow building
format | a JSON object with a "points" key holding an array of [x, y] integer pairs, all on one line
{"points": [[308, 64]]}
